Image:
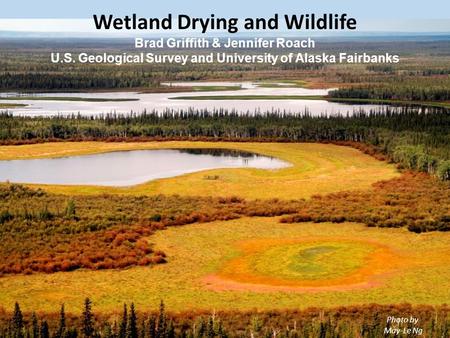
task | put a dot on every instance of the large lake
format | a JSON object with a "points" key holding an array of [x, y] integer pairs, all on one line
{"points": [[124, 168], [161, 101]]}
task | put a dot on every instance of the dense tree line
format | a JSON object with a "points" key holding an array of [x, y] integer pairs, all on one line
{"points": [[67, 81], [417, 138], [418, 92], [366, 321]]}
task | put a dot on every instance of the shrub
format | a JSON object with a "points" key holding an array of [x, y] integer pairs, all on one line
{"points": [[443, 170], [5, 216]]}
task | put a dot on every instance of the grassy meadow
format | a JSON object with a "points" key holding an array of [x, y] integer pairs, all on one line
{"points": [[250, 262], [402, 268], [315, 169]]}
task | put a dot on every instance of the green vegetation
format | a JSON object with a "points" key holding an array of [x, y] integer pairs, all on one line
{"points": [[405, 135], [405, 201], [341, 168], [214, 88], [195, 276], [402, 89], [44, 232], [423, 61], [357, 233], [369, 321], [11, 105], [74, 78], [394, 102], [283, 84], [309, 260]]}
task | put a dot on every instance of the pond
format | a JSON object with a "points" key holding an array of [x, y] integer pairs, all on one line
{"points": [[126, 102], [125, 168]]}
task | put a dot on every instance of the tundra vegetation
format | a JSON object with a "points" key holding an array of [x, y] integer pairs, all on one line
{"points": [[54, 234], [138, 245], [298, 180]]}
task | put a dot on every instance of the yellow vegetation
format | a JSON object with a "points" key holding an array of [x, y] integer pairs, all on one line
{"points": [[316, 169], [417, 271]]}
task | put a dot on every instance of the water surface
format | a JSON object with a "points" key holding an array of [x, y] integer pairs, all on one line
{"points": [[162, 101], [124, 168]]}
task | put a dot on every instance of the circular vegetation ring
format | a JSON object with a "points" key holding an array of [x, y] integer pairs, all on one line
{"points": [[311, 264]]}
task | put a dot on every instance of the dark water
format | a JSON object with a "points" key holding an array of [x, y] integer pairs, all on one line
{"points": [[124, 168]]}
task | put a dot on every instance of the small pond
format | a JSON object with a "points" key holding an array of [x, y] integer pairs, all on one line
{"points": [[125, 168]]}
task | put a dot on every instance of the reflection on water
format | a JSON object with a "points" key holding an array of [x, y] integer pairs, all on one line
{"points": [[125, 168], [218, 152]]}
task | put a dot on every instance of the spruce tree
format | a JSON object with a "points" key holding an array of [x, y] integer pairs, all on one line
{"points": [[88, 321], [170, 330], [132, 331], [34, 326], [62, 323], [200, 332], [152, 327], [220, 330], [210, 328], [17, 321], [44, 332], [161, 328], [123, 323]]}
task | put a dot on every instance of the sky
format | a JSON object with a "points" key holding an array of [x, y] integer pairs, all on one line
{"points": [[380, 15]]}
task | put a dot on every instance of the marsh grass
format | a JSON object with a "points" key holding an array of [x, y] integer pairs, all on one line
{"points": [[198, 250], [316, 169]]}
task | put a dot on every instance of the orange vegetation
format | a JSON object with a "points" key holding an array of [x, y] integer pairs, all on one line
{"points": [[239, 274], [38, 236]]}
